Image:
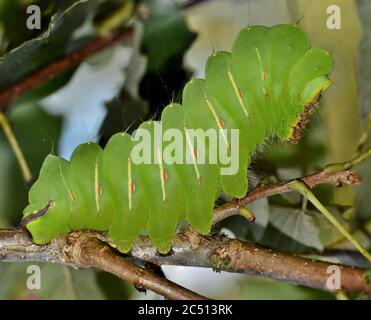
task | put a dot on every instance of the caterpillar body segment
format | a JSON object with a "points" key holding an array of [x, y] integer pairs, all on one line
{"points": [[261, 89]]}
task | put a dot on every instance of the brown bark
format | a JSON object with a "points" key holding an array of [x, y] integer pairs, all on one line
{"points": [[321, 177], [58, 67], [83, 249]]}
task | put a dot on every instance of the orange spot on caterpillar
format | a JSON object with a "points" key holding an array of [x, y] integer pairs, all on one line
{"points": [[240, 93], [99, 189], [164, 175], [73, 195], [221, 123], [264, 75], [195, 153], [132, 187]]}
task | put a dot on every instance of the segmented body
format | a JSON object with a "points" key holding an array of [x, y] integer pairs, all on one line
{"points": [[261, 88]]}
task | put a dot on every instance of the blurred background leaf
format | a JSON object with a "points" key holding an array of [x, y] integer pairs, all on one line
{"points": [[57, 283], [255, 288], [158, 78], [52, 44], [364, 58], [340, 105], [298, 225], [37, 133]]}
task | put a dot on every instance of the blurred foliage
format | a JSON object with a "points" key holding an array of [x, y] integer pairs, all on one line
{"points": [[340, 105], [37, 133], [13, 11], [364, 57], [296, 224], [165, 40], [164, 27], [112, 14], [114, 288], [155, 76], [52, 44], [57, 282], [255, 288], [364, 76]]}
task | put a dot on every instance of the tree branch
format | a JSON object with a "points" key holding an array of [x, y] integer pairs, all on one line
{"points": [[88, 251], [262, 191], [58, 67], [91, 249], [83, 249], [224, 254], [191, 3], [334, 174]]}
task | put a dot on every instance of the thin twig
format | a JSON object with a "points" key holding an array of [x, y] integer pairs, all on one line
{"points": [[302, 188], [66, 63], [9, 134], [262, 191], [334, 174], [191, 3]]}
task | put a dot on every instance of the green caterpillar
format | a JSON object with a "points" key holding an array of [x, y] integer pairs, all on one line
{"points": [[265, 87]]}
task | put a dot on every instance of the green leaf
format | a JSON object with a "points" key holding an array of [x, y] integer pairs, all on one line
{"points": [[364, 58], [11, 13], [165, 40], [61, 282], [56, 282], [367, 277], [166, 33], [113, 287], [297, 225], [328, 233], [255, 288], [274, 238], [37, 133], [35, 53]]}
